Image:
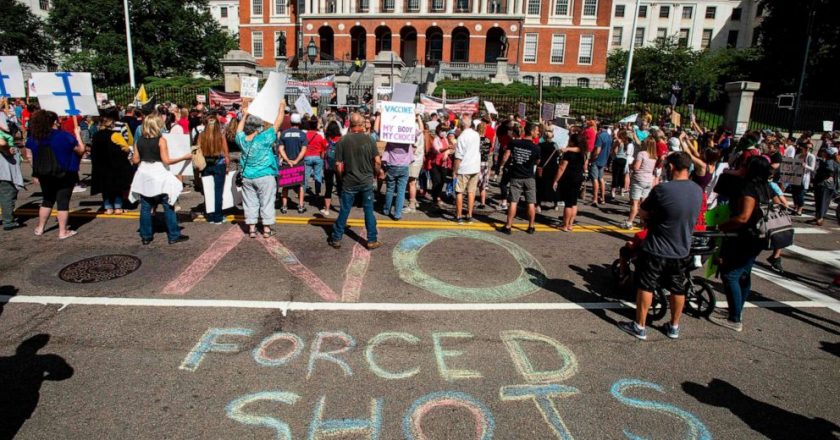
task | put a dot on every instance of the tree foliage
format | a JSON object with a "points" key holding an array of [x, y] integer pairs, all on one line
{"points": [[781, 37], [22, 34], [169, 37], [701, 74]]}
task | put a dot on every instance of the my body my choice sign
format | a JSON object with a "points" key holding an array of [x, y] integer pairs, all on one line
{"points": [[397, 124]]}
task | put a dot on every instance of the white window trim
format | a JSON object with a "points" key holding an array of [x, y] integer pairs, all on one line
{"points": [[254, 46], [551, 50], [583, 6], [554, 19], [619, 33], [536, 48], [274, 9], [262, 9], [635, 36], [685, 8], [568, 10], [591, 49]]}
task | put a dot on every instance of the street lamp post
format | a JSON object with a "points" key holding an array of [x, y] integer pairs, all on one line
{"points": [[128, 43], [311, 54]]}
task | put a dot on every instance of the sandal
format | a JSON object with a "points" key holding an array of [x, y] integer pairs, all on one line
{"points": [[69, 234], [252, 233], [39, 232], [267, 232], [109, 212], [119, 211]]}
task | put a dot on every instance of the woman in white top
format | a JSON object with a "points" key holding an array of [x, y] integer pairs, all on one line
{"points": [[623, 150], [642, 179], [810, 161]]}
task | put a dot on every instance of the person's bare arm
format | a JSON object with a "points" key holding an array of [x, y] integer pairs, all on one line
{"points": [[80, 144], [377, 165], [505, 158], [559, 174], [241, 126], [377, 123], [164, 153], [135, 158], [339, 169]]}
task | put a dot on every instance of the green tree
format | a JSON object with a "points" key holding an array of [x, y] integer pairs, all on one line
{"points": [[781, 39], [169, 37], [22, 34]]}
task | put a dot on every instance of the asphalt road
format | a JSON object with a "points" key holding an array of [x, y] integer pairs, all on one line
{"points": [[445, 332]]}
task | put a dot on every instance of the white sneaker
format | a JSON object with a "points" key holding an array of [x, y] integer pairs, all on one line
{"points": [[325, 213], [79, 188], [725, 322]]}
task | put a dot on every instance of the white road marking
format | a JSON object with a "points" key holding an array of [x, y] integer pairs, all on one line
{"points": [[810, 231], [797, 288], [294, 306], [831, 258]]}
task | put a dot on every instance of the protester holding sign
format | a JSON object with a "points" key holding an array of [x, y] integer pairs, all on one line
{"points": [[56, 158], [292, 148], [809, 161], [214, 148]]}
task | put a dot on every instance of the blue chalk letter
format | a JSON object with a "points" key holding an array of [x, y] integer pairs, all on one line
{"points": [[208, 344], [382, 337], [542, 394], [696, 429], [370, 427], [235, 411]]}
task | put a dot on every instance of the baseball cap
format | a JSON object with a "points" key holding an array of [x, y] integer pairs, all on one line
{"points": [[295, 119], [832, 151]]}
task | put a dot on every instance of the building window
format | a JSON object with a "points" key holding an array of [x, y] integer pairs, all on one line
{"points": [[639, 38], [461, 45], [462, 5], [684, 37], [661, 34], [618, 35], [530, 52], [533, 7], [437, 5], [590, 8], [223, 12], [257, 44], [280, 7], [688, 12], [256, 7], [711, 12], [558, 49], [664, 11], [528, 79], [642, 11], [736, 14], [301, 7], [561, 8], [619, 11], [732, 39], [413, 6], [388, 5], [583, 82], [44, 4], [585, 52], [706, 41], [494, 7], [555, 81]]}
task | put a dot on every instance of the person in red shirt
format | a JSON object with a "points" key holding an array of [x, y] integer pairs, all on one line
{"points": [[313, 159], [589, 135]]}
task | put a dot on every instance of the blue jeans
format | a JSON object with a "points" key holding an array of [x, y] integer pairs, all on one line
{"points": [[348, 197], [146, 206], [314, 166], [219, 172], [112, 201], [736, 285], [396, 178]]}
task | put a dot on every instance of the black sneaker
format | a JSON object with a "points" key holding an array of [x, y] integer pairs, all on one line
{"points": [[505, 230], [469, 220], [776, 264], [301, 209], [459, 220], [334, 244], [180, 239], [283, 210], [146, 241], [531, 230]]}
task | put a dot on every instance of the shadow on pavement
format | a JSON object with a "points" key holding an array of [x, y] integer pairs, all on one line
{"points": [[810, 319], [21, 377], [769, 420], [830, 347], [6, 291]]}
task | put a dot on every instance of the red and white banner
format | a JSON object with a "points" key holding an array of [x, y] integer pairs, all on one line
{"points": [[466, 105], [323, 85], [224, 99]]}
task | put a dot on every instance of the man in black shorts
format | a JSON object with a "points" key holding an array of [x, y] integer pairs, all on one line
{"points": [[670, 214]]}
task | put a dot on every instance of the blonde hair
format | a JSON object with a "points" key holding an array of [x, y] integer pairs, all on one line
{"points": [[210, 140], [649, 145], [482, 128], [152, 126]]}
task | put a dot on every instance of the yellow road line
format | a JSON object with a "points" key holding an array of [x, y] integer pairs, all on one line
{"points": [[389, 224]]}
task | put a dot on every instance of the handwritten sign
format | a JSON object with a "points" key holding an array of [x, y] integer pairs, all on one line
{"points": [[791, 171], [248, 86], [491, 109], [66, 93], [521, 108], [11, 78], [562, 109], [547, 111], [200, 99], [397, 123], [179, 145], [267, 103], [291, 176]]}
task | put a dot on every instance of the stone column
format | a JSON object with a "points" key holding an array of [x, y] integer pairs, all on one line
{"points": [[741, 95], [342, 89], [236, 64]]}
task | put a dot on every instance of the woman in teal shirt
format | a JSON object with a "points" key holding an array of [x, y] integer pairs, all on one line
{"points": [[259, 170]]}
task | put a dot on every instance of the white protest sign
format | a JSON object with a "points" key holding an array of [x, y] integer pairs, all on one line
{"points": [[32, 90], [404, 92], [828, 125], [179, 145], [419, 108], [302, 106], [397, 123], [267, 103], [66, 93], [630, 119], [101, 97], [562, 109], [248, 86], [200, 98], [231, 194], [11, 78], [561, 136], [791, 171], [491, 109]]}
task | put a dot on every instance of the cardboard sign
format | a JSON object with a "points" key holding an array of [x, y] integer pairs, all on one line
{"points": [[562, 109], [248, 86], [491, 109], [302, 106], [419, 108], [547, 111], [791, 171], [828, 125], [66, 93], [200, 99], [521, 108], [397, 123], [291, 176], [101, 97], [231, 194], [11, 78], [267, 103], [404, 92], [629, 119], [179, 145]]}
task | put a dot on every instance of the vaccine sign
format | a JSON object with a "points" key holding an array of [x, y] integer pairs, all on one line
{"points": [[397, 123], [66, 93]]}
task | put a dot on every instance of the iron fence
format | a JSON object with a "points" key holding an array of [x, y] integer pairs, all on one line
{"points": [[766, 114], [183, 96]]}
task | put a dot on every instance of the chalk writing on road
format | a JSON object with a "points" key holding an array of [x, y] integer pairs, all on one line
{"points": [[541, 383]]}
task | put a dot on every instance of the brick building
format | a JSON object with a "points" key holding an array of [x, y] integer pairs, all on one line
{"points": [[564, 40]]}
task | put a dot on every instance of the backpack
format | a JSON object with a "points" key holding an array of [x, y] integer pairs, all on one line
{"points": [[46, 163], [330, 154], [774, 227]]}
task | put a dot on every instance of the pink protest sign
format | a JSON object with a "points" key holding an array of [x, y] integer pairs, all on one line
{"points": [[292, 176]]}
